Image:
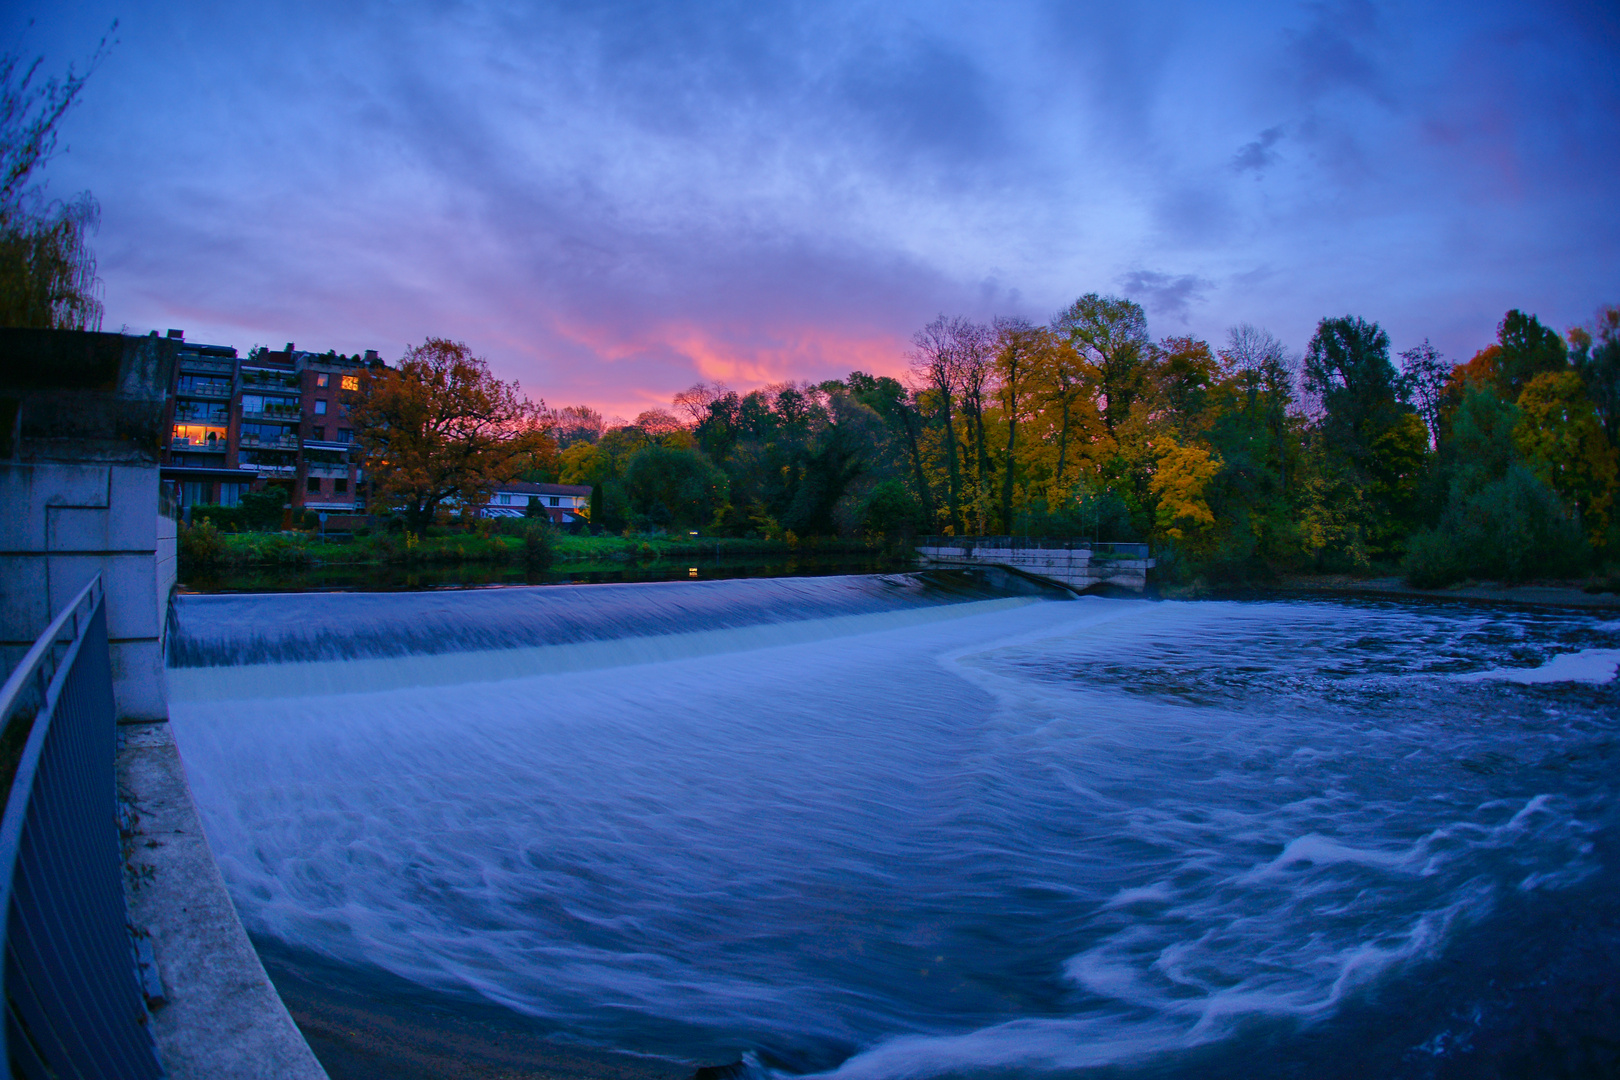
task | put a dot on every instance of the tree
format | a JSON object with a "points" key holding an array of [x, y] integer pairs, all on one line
{"points": [[1528, 349], [441, 428], [1422, 382], [1597, 358], [1017, 344], [933, 364], [1112, 333], [669, 488], [47, 271], [1179, 484], [1374, 442], [1563, 443]]}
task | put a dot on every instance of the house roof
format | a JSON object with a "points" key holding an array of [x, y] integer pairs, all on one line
{"points": [[523, 487]]}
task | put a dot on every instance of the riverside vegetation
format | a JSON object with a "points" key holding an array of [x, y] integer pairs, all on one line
{"points": [[1245, 463]]}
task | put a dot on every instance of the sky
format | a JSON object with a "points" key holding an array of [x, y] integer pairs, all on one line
{"points": [[613, 201]]}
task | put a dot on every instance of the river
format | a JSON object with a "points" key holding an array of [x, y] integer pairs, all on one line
{"points": [[909, 826]]}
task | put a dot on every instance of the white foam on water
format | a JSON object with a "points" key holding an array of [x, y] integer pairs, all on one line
{"points": [[371, 673], [1588, 666]]}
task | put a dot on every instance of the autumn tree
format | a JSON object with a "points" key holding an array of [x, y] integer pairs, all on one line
{"points": [[1562, 441], [1018, 343], [442, 429], [933, 365]]}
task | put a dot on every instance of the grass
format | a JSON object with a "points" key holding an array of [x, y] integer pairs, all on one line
{"points": [[446, 546]]}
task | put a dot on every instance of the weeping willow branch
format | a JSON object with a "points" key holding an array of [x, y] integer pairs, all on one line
{"points": [[47, 270]]}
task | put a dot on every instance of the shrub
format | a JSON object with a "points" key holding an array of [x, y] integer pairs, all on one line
{"points": [[539, 551], [1510, 529], [201, 544]]}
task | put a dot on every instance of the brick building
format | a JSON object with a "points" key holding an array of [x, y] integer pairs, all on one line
{"points": [[281, 418]]}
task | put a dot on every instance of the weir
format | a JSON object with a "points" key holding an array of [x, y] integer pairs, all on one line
{"points": [[1079, 565]]}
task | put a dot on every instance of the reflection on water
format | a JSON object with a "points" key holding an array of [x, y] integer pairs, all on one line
{"points": [[1225, 839]]}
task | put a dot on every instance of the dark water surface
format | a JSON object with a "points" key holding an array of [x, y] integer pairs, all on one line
{"points": [[889, 828]]}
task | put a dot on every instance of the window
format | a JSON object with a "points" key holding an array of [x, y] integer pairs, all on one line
{"points": [[340, 486], [318, 433], [231, 494], [345, 435], [313, 485], [268, 434], [556, 501], [320, 406], [351, 382], [193, 492], [504, 499], [199, 436], [320, 380]]}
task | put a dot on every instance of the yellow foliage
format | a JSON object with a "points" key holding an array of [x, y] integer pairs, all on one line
{"points": [[1560, 436], [1179, 484]]}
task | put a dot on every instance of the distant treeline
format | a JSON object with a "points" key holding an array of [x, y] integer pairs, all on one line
{"points": [[1236, 462]]}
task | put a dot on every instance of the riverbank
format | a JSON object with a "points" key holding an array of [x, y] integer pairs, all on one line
{"points": [[282, 562], [1577, 593]]}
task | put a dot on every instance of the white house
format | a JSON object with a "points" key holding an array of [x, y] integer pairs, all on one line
{"points": [[563, 503]]}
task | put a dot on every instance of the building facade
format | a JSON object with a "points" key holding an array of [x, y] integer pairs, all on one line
{"points": [[275, 418], [563, 503]]}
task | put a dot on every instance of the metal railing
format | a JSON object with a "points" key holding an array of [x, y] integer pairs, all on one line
{"points": [[72, 997], [1101, 548]]}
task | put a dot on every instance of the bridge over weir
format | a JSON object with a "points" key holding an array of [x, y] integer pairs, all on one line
{"points": [[1080, 565]]}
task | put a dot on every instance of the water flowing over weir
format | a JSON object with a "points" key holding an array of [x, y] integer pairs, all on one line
{"points": [[894, 827]]}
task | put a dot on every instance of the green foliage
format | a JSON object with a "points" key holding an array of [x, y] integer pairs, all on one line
{"points": [[262, 511], [539, 547], [673, 489], [200, 543], [890, 511], [1510, 529], [1528, 349]]}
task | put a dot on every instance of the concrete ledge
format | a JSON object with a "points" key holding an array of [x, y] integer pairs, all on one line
{"points": [[223, 1019]]}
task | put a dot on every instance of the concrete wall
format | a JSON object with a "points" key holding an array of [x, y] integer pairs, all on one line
{"points": [[62, 522], [1076, 568]]}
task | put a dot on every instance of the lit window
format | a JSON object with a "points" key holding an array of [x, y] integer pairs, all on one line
{"points": [[351, 382], [320, 380], [320, 406]]}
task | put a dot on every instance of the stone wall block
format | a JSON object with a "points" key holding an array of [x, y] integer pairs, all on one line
{"points": [[24, 607]]}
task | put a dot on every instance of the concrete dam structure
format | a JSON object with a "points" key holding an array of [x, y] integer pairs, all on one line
{"points": [[1079, 565]]}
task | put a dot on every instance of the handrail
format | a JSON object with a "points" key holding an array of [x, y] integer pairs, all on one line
{"points": [[11, 692], [68, 986]]}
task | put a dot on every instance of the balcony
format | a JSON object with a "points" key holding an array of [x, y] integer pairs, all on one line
{"points": [[276, 415], [215, 446], [286, 442], [268, 470], [203, 391], [207, 367]]}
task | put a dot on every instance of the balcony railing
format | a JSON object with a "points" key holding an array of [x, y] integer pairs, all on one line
{"points": [[203, 391], [212, 446], [73, 1000], [287, 442], [278, 415], [268, 470]]}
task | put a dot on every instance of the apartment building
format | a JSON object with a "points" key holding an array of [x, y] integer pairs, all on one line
{"points": [[273, 418]]}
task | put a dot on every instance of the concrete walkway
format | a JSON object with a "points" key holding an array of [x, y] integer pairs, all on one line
{"points": [[222, 1019]]}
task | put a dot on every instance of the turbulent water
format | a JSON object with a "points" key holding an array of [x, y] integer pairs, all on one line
{"points": [[882, 827]]}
